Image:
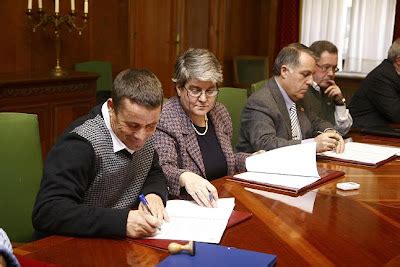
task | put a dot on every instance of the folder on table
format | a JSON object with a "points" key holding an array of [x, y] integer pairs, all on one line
{"points": [[363, 154], [283, 184], [215, 255], [290, 170], [162, 244]]}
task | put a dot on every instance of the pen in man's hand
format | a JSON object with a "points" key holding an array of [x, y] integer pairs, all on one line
{"points": [[145, 204]]}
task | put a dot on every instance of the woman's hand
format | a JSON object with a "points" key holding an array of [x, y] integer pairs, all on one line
{"points": [[201, 190]]}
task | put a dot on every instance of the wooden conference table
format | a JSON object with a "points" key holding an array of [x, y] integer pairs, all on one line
{"points": [[324, 228]]}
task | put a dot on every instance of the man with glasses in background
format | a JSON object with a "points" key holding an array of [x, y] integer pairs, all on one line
{"points": [[324, 96], [274, 117]]}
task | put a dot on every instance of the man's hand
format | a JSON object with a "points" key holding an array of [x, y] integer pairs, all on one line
{"points": [[329, 140], [140, 224], [334, 92], [201, 190], [156, 206]]}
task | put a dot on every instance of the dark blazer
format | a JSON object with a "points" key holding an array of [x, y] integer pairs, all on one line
{"points": [[266, 123], [178, 149], [377, 101]]}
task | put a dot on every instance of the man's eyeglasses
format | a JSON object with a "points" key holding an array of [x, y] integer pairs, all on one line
{"points": [[197, 92], [334, 69]]}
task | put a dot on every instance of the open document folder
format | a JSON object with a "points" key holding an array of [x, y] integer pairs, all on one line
{"points": [[189, 221], [365, 154], [289, 170]]}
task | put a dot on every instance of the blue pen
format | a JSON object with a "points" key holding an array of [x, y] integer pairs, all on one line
{"points": [[210, 196], [145, 204]]}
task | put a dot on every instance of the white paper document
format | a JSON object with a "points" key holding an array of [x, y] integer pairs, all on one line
{"points": [[189, 221], [290, 167], [364, 153]]}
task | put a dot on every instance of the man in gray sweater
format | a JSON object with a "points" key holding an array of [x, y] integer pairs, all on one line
{"points": [[103, 162]]}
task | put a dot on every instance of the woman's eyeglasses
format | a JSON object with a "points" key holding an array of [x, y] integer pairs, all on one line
{"points": [[197, 92]]}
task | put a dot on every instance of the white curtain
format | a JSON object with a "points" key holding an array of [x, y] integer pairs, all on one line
{"points": [[324, 20], [371, 33]]}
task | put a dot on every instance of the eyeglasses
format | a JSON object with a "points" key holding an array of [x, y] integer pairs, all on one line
{"points": [[197, 92], [334, 69]]}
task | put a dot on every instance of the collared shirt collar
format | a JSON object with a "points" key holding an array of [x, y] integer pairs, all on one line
{"points": [[316, 87], [118, 145], [289, 102]]}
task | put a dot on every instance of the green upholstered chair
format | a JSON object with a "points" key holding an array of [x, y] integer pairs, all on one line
{"points": [[234, 99], [257, 86], [104, 82], [249, 69], [20, 173]]}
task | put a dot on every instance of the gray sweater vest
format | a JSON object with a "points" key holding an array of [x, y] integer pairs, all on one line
{"points": [[119, 177]]}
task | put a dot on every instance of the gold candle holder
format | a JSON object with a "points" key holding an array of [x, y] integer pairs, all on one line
{"points": [[40, 19]]}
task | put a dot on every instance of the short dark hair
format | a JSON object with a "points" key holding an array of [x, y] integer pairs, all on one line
{"points": [[290, 55], [321, 46], [138, 85]]}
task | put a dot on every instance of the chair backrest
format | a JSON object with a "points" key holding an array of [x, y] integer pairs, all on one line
{"points": [[249, 69], [257, 86], [102, 68], [234, 99], [20, 173]]}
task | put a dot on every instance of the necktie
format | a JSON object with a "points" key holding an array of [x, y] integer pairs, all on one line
{"points": [[294, 122]]}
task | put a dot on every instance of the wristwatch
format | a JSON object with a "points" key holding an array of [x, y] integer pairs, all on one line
{"points": [[341, 102]]}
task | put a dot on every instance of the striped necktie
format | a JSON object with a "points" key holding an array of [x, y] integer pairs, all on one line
{"points": [[294, 122]]}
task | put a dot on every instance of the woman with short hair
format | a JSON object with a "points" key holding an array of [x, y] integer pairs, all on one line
{"points": [[193, 137]]}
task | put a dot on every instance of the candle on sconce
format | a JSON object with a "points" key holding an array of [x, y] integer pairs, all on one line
{"points": [[73, 5], [40, 4], [29, 4], [57, 6], [86, 7]]}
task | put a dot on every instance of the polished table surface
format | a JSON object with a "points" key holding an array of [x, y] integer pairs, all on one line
{"points": [[358, 228]]}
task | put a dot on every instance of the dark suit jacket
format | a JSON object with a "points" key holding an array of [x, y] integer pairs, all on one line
{"points": [[266, 123], [178, 149], [377, 101]]}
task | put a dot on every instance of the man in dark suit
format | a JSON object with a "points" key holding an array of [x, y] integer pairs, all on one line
{"points": [[271, 118], [324, 96], [377, 101]]}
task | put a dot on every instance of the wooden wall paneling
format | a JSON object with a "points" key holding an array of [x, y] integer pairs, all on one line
{"points": [[153, 39], [268, 30], [13, 47], [242, 29], [196, 24], [109, 39], [217, 28]]}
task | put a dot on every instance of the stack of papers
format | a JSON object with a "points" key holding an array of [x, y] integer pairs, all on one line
{"points": [[289, 167], [367, 154], [189, 221], [287, 170]]}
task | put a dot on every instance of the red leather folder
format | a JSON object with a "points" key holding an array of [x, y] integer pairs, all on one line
{"points": [[325, 174], [26, 261], [162, 244]]}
